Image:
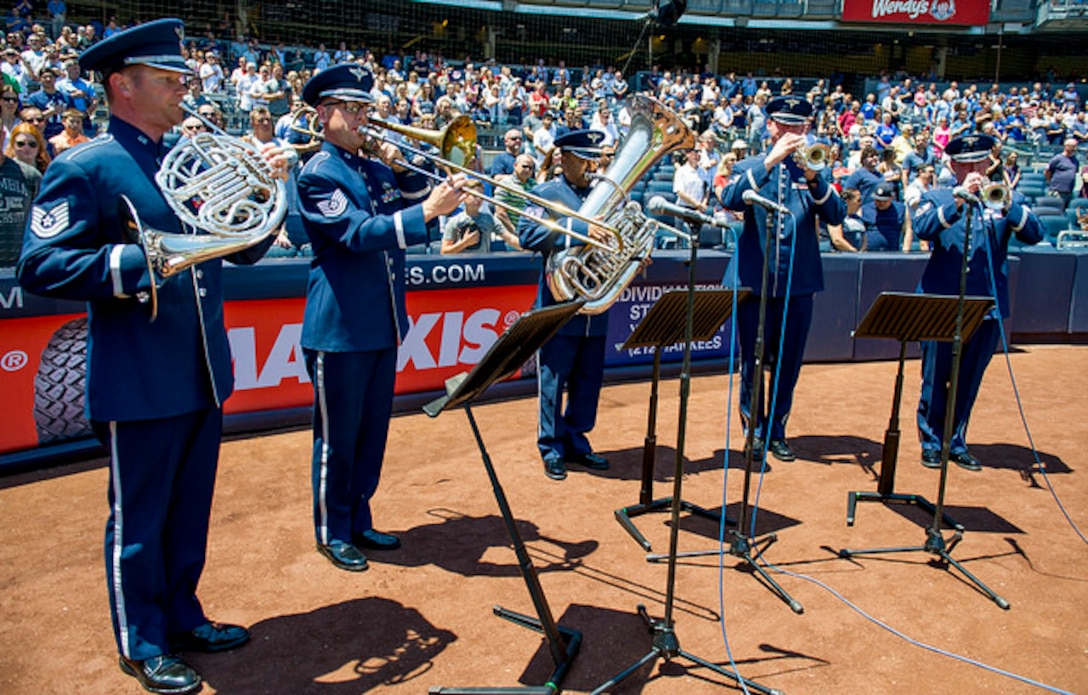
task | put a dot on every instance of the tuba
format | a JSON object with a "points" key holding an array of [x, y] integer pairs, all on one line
{"points": [[218, 185], [599, 275]]}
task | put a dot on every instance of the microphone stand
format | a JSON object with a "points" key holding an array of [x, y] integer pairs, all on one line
{"points": [[743, 541], [935, 542], [665, 644]]}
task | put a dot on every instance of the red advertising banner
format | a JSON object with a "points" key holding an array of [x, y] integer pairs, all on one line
{"points": [[42, 358], [950, 12]]}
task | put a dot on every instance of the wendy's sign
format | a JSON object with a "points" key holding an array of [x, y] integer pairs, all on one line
{"points": [[951, 12]]}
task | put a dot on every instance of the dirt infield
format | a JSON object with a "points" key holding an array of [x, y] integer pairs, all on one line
{"points": [[422, 616]]}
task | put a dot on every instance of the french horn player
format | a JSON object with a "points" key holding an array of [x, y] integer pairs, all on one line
{"points": [[154, 389]]}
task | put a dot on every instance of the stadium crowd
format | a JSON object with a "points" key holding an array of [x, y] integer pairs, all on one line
{"points": [[894, 134]]}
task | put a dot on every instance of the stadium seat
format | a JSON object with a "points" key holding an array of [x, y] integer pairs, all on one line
{"points": [[1045, 205], [1054, 224]]}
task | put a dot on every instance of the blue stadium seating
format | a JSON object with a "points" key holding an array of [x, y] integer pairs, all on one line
{"points": [[1053, 224]]}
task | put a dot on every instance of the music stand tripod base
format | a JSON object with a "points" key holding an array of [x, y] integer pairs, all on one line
{"points": [[503, 360], [665, 325]]}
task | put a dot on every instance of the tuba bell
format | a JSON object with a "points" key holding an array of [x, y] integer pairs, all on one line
{"points": [[598, 275], [218, 186]]}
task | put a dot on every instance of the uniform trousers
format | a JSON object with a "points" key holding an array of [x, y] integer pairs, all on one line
{"points": [[788, 363], [353, 402], [574, 364], [936, 378], [162, 476]]}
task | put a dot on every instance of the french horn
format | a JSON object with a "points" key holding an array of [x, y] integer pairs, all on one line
{"points": [[222, 189]]}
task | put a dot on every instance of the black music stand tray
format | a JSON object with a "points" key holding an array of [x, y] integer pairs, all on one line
{"points": [[908, 317], [664, 325], [505, 357]]}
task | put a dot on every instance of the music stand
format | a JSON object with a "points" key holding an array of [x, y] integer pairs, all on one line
{"points": [[908, 317], [664, 325], [505, 357]]}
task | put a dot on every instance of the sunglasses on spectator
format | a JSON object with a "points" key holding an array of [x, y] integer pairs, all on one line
{"points": [[26, 143], [36, 119], [13, 100]]}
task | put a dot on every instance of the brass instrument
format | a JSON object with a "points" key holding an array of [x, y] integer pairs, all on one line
{"points": [[600, 275], [995, 196], [308, 115], [458, 139], [812, 157], [216, 184]]}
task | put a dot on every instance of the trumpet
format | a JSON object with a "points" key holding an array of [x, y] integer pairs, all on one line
{"points": [[995, 196], [811, 157]]}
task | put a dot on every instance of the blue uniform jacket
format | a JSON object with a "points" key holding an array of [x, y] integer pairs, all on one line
{"points": [[355, 297], [537, 237], [937, 221], [75, 248], [796, 238]]}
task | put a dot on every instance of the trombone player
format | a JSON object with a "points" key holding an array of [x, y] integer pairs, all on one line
{"points": [[359, 215], [155, 389]]}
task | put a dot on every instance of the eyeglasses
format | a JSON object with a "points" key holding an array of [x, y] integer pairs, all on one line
{"points": [[13, 100], [36, 119], [352, 108], [26, 143]]}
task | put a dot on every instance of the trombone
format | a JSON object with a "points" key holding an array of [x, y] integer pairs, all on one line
{"points": [[458, 139]]}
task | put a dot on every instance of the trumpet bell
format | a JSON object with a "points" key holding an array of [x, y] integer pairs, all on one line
{"points": [[995, 196], [813, 157]]}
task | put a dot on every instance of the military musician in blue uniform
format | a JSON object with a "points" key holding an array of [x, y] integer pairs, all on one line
{"points": [[795, 270], [573, 360], [360, 216], [940, 219], [155, 388]]}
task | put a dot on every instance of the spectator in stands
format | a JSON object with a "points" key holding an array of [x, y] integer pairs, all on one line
{"points": [[195, 98], [1011, 171], [923, 183], [27, 145], [19, 184], [34, 56], [504, 161], [544, 137], [473, 229], [1061, 172], [688, 184], [921, 156], [848, 236], [942, 134], [211, 73], [995, 167], [865, 177], [51, 101], [247, 83], [524, 177], [603, 122], [80, 91], [15, 69], [72, 134], [892, 173], [887, 222]]}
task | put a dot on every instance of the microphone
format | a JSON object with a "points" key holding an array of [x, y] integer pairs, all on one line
{"points": [[752, 198], [962, 193], [660, 206]]}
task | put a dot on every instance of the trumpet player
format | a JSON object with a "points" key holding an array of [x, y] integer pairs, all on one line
{"points": [[794, 267], [941, 218], [359, 215], [161, 426]]}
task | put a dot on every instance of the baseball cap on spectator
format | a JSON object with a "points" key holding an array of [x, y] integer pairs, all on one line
{"points": [[883, 191], [739, 145]]}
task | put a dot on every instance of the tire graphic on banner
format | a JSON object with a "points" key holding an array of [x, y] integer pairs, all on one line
{"points": [[59, 385]]}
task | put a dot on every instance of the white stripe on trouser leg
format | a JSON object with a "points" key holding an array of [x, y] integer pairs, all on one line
{"points": [[118, 546], [322, 485]]}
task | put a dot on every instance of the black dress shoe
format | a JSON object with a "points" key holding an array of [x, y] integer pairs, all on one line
{"points": [[165, 674], [210, 638], [781, 450], [931, 458], [554, 468], [344, 556], [376, 540], [966, 460], [590, 460]]}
